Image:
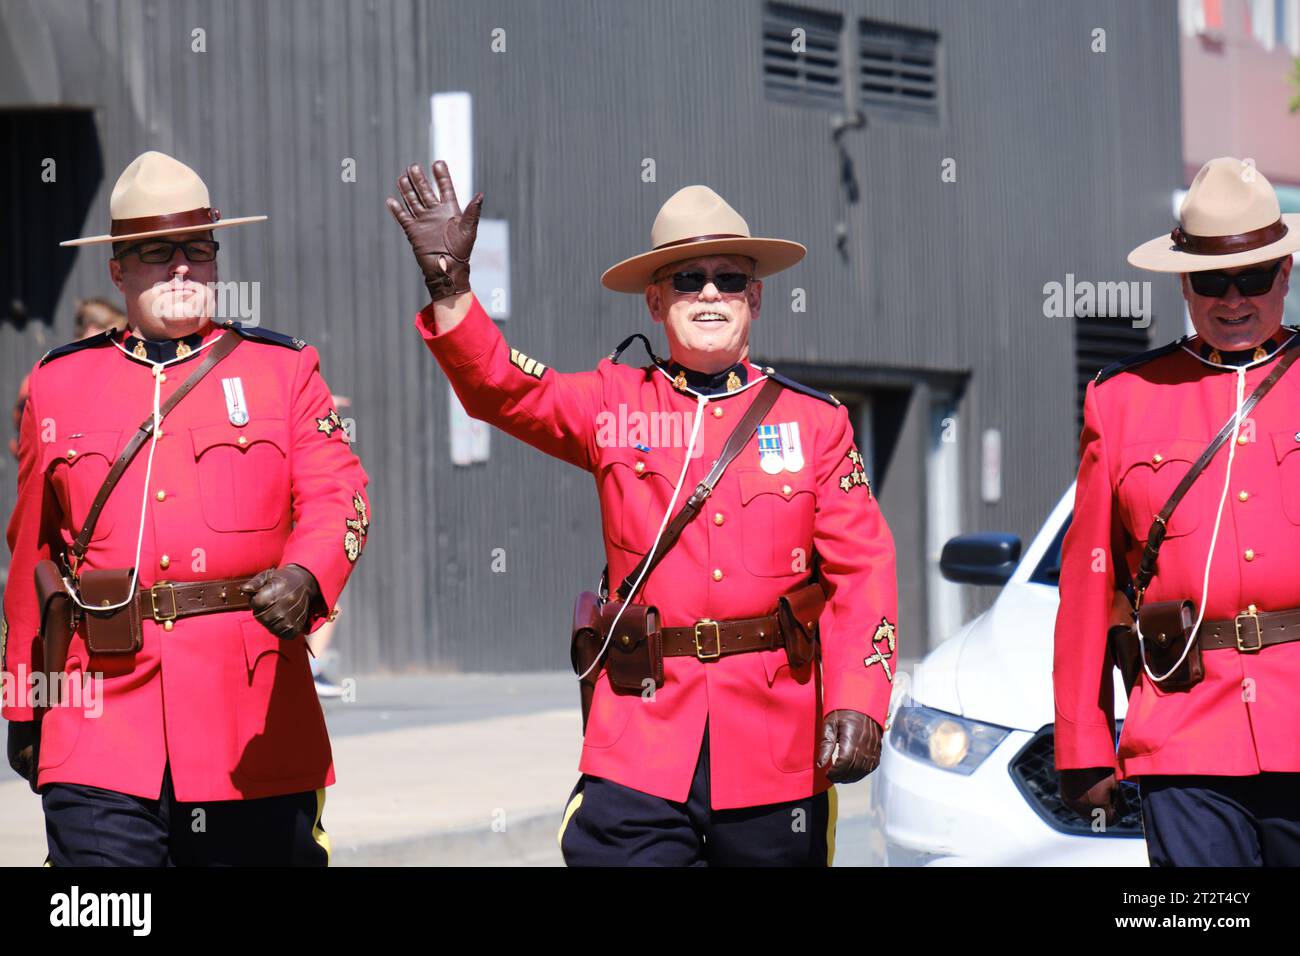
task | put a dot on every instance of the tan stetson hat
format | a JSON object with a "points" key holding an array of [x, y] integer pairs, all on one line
{"points": [[158, 196], [696, 221], [1230, 217]]}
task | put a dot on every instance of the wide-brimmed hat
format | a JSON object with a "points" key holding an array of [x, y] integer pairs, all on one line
{"points": [[696, 221], [1230, 217], [159, 196]]}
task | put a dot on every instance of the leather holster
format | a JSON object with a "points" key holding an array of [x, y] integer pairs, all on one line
{"points": [[58, 619], [799, 612], [1122, 641], [584, 647]]}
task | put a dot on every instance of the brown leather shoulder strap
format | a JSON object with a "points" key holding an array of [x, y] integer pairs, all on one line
{"points": [[224, 346], [1156, 536], [736, 442]]}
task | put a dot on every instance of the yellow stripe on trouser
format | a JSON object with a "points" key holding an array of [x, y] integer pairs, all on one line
{"points": [[569, 811], [320, 836], [832, 813]]}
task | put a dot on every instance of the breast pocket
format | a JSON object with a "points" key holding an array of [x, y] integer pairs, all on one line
{"points": [[777, 522], [243, 474], [1149, 473], [635, 491], [1286, 445], [76, 469]]}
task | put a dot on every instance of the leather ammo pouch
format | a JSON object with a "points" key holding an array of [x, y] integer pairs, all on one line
{"points": [[636, 650], [57, 616], [1166, 630], [799, 612], [110, 632]]}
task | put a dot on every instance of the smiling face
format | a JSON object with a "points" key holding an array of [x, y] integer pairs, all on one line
{"points": [[1234, 322], [166, 300], [707, 330]]}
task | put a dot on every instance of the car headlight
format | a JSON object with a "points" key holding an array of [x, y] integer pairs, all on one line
{"points": [[943, 740]]}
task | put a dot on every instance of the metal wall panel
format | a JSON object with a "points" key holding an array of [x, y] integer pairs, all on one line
{"points": [[1065, 159]]}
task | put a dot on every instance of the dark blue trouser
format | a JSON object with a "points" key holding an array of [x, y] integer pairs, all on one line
{"points": [[608, 824], [90, 826], [1222, 821]]}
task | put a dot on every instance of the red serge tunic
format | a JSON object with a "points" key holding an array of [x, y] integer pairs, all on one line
{"points": [[754, 542]]}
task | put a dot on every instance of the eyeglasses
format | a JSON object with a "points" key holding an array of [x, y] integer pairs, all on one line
{"points": [[728, 282], [162, 250], [1255, 282]]}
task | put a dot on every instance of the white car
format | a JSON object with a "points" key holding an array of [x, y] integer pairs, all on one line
{"points": [[966, 775]]}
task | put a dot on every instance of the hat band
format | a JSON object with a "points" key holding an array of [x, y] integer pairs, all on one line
{"points": [[191, 217], [708, 238], [1226, 245]]}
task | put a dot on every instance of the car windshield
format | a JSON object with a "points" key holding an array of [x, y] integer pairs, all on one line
{"points": [[1048, 570]]}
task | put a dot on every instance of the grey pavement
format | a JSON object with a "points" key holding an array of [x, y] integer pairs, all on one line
{"points": [[459, 770]]}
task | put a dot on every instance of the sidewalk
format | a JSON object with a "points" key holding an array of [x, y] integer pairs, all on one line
{"points": [[469, 770]]}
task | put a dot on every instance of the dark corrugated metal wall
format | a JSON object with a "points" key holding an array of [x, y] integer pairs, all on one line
{"points": [[1065, 159]]}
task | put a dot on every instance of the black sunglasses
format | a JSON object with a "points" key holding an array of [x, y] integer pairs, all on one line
{"points": [[728, 282], [1255, 282], [162, 250]]}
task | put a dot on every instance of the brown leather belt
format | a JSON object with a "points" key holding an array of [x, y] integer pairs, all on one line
{"points": [[1252, 630], [709, 640], [169, 601]]}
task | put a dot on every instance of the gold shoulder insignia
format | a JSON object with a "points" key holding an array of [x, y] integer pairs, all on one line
{"points": [[855, 476]]}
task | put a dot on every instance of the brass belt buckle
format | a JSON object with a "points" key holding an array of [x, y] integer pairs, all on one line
{"points": [[153, 599], [1250, 614], [717, 641]]}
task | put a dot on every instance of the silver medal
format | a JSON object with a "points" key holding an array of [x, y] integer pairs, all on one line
{"points": [[236, 407]]}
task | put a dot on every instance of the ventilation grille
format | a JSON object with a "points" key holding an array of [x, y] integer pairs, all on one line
{"points": [[898, 72], [1097, 343], [1035, 775], [813, 74]]}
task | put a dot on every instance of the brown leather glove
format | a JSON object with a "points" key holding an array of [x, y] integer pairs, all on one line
{"points": [[850, 744], [1093, 788], [441, 236], [24, 748], [282, 598]]}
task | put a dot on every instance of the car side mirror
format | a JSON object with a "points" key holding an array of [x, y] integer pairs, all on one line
{"points": [[989, 558]]}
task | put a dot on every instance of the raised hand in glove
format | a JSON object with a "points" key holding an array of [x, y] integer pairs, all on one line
{"points": [[441, 236], [24, 748], [1091, 789], [282, 598], [850, 746]]}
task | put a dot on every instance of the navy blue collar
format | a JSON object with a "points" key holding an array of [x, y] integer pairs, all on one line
{"points": [[161, 350], [1244, 357], [708, 383]]}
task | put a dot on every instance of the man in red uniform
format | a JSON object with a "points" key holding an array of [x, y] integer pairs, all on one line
{"points": [[731, 760], [1218, 760], [242, 517]]}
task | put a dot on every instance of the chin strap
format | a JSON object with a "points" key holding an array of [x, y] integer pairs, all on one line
{"points": [[623, 346]]}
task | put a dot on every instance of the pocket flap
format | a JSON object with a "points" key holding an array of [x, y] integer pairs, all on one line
{"points": [[77, 447], [1285, 442], [1157, 455], [268, 430], [783, 484]]}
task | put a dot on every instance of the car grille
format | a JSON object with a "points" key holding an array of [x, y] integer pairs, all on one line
{"points": [[1034, 773]]}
